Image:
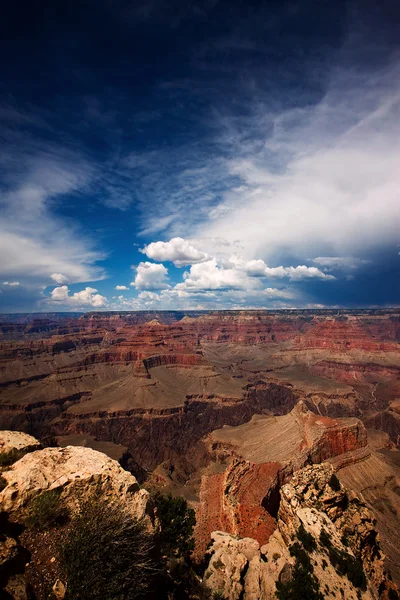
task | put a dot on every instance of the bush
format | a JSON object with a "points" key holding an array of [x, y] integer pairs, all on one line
{"points": [[334, 483], [301, 556], [324, 539], [47, 511], [177, 522], [302, 584], [306, 539], [348, 565], [107, 554], [9, 458]]}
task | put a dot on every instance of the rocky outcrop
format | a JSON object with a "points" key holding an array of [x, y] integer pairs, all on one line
{"points": [[18, 443], [242, 497], [327, 525], [74, 471], [317, 488], [77, 473]]}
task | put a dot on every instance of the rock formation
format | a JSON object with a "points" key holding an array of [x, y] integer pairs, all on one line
{"points": [[222, 407], [327, 523], [76, 473], [242, 497]]}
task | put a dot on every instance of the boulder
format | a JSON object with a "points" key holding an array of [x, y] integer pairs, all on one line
{"points": [[76, 472], [18, 443]]}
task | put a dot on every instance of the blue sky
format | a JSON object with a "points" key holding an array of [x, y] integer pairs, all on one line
{"points": [[208, 154]]}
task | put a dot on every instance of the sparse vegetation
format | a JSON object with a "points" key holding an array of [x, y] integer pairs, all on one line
{"points": [[334, 483], [346, 564], [276, 556], [303, 583], [9, 458], [3, 483], [306, 539], [177, 522], [301, 556], [324, 538], [107, 554], [343, 562], [345, 540], [47, 511]]}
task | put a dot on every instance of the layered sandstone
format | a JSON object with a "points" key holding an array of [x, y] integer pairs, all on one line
{"points": [[239, 492], [239, 568]]}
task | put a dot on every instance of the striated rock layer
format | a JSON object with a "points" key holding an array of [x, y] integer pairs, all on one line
{"points": [[242, 497], [239, 568]]}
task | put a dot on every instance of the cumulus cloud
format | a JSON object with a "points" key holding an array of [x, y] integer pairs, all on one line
{"points": [[86, 297], [12, 283], [59, 278], [178, 250], [209, 276], [150, 276], [317, 180], [149, 296], [121, 287], [258, 268]]}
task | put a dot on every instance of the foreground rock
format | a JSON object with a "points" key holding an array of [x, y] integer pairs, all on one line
{"points": [[75, 471], [17, 443], [343, 532]]}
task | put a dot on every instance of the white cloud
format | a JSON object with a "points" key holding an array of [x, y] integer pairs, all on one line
{"points": [[340, 262], [258, 268], [35, 241], [12, 283], [178, 250], [209, 276], [150, 276], [121, 287], [59, 278], [86, 297], [149, 296], [321, 180]]}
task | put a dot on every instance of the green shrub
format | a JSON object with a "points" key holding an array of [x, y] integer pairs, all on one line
{"points": [[306, 539], [348, 565], [177, 522], [9, 458], [47, 511], [334, 483], [324, 539], [301, 556], [345, 540], [303, 584], [107, 554]]}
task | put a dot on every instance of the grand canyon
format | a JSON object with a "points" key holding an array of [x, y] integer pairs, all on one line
{"points": [[222, 408]]}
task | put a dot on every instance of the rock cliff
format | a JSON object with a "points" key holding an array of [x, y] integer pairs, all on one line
{"points": [[239, 491], [323, 529]]}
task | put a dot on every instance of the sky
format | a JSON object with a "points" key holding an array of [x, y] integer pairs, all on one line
{"points": [[199, 155]]}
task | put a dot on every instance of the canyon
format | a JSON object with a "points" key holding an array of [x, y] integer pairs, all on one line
{"points": [[223, 407]]}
